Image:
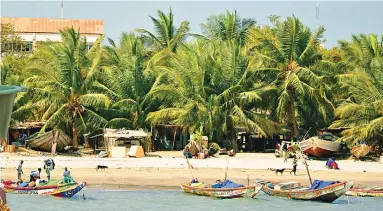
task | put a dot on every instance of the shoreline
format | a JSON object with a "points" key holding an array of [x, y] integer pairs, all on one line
{"points": [[169, 171], [171, 179]]}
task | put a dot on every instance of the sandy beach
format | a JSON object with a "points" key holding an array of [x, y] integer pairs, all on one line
{"points": [[169, 172]]}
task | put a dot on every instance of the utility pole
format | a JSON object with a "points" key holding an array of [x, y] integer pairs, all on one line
{"points": [[62, 9], [317, 14]]}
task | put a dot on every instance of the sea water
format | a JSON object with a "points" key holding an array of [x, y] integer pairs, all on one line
{"points": [[167, 200]]}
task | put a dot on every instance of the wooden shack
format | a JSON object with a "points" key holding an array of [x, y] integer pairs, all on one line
{"points": [[121, 138]]}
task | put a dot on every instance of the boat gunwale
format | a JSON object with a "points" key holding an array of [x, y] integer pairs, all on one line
{"points": [[305, 191], [219, 189], [38, 187], [365, 191]]}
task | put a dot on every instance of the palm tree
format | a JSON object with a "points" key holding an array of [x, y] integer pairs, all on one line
{"points": [[62, 82], [228, 27], [362, 111], [206, 90], [126, 83], [166, 35], [289, 49]]}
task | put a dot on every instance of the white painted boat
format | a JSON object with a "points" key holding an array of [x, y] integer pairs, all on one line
{"points": [[320, 146]]}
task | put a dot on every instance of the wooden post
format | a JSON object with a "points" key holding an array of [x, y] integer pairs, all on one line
{"points": [[308, 172], [174, 138]]}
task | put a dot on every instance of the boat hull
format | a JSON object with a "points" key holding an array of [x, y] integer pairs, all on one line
{"points": [[319, 148], [327, 194], [69, 191], [364, 193], [248, 191], [61, 190], [361, 150]]}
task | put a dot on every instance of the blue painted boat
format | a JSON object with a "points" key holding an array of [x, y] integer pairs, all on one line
{"points": [[69, 191]]}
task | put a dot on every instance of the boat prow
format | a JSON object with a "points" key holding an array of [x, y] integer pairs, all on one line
{"points": [[69, 191]]}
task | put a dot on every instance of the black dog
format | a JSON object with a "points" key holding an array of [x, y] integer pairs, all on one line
{"points": [[101, 167], [279, 171]]}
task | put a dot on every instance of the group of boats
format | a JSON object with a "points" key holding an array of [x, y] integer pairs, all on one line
{"points": [[320, 190]]}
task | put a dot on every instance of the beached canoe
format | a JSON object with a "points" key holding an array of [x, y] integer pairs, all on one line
{"points": [[361, 151], [371, 192], [326, 194], [247, 191], [44, 142], [320, 146]]}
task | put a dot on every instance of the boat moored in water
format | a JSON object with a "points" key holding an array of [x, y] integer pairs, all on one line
{"points": [[65, 190], [318, 192], [221, 192]]}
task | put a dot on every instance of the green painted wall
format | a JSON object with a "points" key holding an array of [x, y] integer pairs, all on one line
{"points": [[7, 97]]}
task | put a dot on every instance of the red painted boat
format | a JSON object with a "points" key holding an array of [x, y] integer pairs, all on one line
{"points": [[320, 146]]}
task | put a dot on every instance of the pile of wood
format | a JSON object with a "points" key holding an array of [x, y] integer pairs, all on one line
{"points": [[7, 148]]}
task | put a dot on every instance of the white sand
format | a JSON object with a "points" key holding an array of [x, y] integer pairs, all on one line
{"points": [[254, 161]]}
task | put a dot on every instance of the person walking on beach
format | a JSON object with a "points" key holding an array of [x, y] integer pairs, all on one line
{"points": [[49, 165], [284, 151], [47, 168], [20, 170], [295, 164]]}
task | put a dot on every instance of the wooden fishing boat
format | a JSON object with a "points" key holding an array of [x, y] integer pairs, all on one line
{"points": [[247, 191], [66, 190], [361, 150], [44, 142], [326, 194], [320, 146], [365, 192]]}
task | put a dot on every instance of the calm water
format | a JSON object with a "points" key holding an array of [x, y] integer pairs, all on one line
{"points": [[176, 200]]}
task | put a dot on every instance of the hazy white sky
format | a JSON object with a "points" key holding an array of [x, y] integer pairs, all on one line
{"points": [[341, 18]]}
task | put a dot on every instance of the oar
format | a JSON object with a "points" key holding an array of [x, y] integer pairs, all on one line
{"points": [[227, 167], [83, 193], [304, 160], [190, 166]]}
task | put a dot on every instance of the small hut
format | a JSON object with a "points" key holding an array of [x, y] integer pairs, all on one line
{"points": [[119, 140], [20, 131]]}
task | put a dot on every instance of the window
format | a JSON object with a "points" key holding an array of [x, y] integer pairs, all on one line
{"points": [[89, 46], [19, 47]]}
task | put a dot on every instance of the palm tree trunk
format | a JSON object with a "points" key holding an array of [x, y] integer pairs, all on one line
{"points": [[292, 119], [75, 137]]}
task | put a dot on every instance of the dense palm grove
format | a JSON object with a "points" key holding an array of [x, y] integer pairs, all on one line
{"points": [[275, 79]]}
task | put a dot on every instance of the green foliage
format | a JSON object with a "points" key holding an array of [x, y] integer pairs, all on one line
{"points": [[265, 80]]}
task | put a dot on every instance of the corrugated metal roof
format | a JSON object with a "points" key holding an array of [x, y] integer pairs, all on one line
{"points": [[52, 25]]}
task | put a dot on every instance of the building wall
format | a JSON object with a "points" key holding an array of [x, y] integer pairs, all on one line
{"points": [[53, 37], [33, 30]]}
